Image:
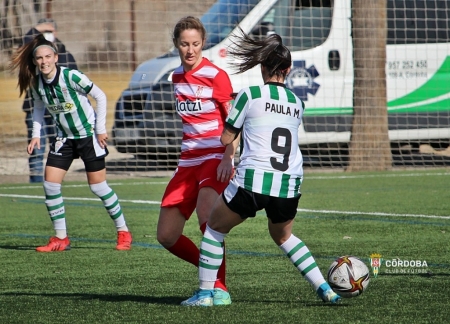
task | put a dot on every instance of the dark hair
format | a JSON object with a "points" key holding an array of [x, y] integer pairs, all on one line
{"points": [[22, 59], [269, 52], [48, 20], [188, 22]]}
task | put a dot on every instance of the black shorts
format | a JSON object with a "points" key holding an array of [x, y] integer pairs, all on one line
{"points": [[64, 150], [246, 203]]}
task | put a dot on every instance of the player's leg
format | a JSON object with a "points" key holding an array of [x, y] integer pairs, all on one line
{"points": [[93, 156], [178, 203], [56, 210], [59, 160], [205, 203], [230, 210], [99, 186], [209, 190], [281, 213], [211, 256]]}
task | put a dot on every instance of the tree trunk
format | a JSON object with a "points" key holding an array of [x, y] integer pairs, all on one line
{"points": [[369, 144]]}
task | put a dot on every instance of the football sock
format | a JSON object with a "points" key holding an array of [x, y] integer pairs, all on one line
{"points": [[301, 257], [211, 256], [61, 233], [221, 278], [111, 203], [55, 207], [186, 250]]}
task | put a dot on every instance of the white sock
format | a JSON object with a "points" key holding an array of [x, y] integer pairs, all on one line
{"points": [[211, 257], [55, 207], [111, 203], [301, 257]]}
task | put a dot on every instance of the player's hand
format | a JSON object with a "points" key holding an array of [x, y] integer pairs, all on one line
{"points": [[225, 170], [34, 141], [102, 138]]}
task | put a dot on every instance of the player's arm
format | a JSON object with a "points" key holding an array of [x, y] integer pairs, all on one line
{"points": [[100, 122], [38, 117], [229, 135], [225, 168]]}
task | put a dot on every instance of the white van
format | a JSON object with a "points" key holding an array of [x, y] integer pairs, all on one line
{"points": [[318, 33]]}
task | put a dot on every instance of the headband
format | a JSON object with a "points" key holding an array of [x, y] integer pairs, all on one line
{"points": [[34, 51]]}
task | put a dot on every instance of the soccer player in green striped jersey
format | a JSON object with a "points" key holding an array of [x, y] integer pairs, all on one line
{"points": [[270, 170], [81, 133]]}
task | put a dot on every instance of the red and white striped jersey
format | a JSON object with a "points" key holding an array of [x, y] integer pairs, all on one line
{"points": [[203, 98]]}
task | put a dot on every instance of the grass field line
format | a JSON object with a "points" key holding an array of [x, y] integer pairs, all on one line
{"points": [[318, 211], [307, 177], [86, 185], [150, 202]]}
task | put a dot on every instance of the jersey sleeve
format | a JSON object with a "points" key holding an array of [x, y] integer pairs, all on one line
{"points": [[222, 91], [79, 81], [100, 99], [38, 117], [239, 110]]}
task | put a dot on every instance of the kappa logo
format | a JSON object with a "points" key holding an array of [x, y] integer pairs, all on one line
{"points": [[59, 143], [301, 80]]}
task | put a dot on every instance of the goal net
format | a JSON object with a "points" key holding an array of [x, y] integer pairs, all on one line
{"points": [[125, 47]]}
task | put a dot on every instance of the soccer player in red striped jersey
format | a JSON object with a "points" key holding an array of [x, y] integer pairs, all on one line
{"points": [[203, 94]]}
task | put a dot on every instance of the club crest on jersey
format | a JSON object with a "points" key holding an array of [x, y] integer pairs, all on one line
{"points": [[199, 91], [188, 106]]}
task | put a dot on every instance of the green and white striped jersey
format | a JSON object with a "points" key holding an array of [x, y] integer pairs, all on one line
{"points": [[269, 117], [66, 100]]}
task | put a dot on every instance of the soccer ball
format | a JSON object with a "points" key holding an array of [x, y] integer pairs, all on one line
{"points": [[348, 276]]}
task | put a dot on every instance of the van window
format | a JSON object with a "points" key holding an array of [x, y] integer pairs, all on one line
{"points": [[223, 17], [302, 24], [418, 21]]}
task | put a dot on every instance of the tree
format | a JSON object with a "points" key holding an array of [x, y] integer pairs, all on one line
{"points": [[369, 144]]}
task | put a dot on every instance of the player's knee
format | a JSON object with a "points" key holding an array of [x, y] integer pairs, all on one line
{"points": [[100, 189], [166, 239], [51, 188]]}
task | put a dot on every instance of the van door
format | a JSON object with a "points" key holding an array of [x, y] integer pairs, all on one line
{"points": [[318, 33], [322, 74]]}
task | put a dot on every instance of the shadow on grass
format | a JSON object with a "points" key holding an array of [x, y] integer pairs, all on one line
{"points": [[17, 247], [167, 300], [28, 248]]}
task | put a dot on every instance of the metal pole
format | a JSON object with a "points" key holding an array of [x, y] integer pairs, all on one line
{"points": [[133, 36]]}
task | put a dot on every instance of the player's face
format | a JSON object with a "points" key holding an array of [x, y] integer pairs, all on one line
{"points": [[189, 45], [45, 59]]}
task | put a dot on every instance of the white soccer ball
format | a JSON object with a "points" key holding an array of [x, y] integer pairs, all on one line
{"points": [[348, 276]]}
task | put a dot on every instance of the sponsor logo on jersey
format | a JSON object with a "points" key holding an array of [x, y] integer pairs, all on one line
{"points": [[188, 106], [61, 107]]}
